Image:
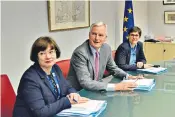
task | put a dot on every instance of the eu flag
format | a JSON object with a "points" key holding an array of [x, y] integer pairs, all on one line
{"points": [[128, 20]]}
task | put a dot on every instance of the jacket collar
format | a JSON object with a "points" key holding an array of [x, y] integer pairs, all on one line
{"points": [[40, 71], [43, 76]]}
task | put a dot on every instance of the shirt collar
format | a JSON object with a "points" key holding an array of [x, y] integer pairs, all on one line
{"points": [[133, 47], [94, 50]]}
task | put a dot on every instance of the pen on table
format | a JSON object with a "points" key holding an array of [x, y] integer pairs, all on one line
{"points": [[136, 80], [75, 100]]}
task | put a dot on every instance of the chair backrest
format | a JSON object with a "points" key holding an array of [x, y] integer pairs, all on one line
{"points": [[106, 73], [64, 66], [113, 53], [8, 96]]}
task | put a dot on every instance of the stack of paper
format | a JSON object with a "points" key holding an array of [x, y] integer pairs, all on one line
{"points": [[143, 84], [153, 70], [92, 108]]}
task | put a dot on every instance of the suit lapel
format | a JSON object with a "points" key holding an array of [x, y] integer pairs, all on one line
{"points": [[101, 61], [91, 57], [43, 76], [129, 52], [137, 51], [48, 85]]}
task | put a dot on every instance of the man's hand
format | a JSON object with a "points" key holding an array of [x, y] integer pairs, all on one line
{"points": [[136, 77], [125, 86]]}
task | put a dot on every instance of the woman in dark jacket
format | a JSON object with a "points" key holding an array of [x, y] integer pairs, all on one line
{"points": [[129, 55], [43, 92]]}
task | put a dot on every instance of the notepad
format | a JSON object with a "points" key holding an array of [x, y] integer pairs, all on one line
{"points": [[143, 84], [153, 70], [91, 108]]}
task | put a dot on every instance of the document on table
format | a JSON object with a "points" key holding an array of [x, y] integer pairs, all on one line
{"points": [[143, 84], [91, 108], [153, 70]]}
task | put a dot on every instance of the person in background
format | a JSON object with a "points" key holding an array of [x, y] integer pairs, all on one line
{"points": [[129, 55], [42, 91], [89, 61]]}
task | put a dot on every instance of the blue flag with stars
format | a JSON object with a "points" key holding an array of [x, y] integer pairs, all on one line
{"points": [[128, 20]]}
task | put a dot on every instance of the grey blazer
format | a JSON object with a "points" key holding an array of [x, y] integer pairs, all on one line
{"points": [[82, 70]]}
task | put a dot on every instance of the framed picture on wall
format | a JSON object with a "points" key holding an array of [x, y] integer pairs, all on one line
{"points": [[66, 15], [168, 2], [169, 17]]}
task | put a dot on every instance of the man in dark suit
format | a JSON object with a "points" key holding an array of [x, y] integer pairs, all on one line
{"points": [[90, 60], [129, 55]]}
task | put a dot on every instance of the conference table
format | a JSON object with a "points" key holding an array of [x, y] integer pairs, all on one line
{"points": [[159, 102]]}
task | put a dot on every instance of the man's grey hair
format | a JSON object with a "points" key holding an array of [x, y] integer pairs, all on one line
{"points": [[98, 24]]}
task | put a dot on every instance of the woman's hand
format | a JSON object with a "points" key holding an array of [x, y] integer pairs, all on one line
{"points": [[148, 65], [83, 100], [140, 64], [76, 98]]}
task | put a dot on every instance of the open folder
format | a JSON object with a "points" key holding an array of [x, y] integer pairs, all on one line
{"points": [[92, 108], [153, 70], [143, 84]]}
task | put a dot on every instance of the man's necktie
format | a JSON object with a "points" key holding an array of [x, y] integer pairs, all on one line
{"points": [[54, 84], [96, 65]]}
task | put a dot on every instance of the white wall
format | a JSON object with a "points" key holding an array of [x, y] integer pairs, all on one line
{"points": [[156, 19], [141, 16], [23, 22]]}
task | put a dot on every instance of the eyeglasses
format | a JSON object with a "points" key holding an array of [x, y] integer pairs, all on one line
{"points": [[134, 35], [44, 53]]}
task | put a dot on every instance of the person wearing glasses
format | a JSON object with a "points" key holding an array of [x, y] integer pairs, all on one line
{"points": [[42, 91], [129, 55]]}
